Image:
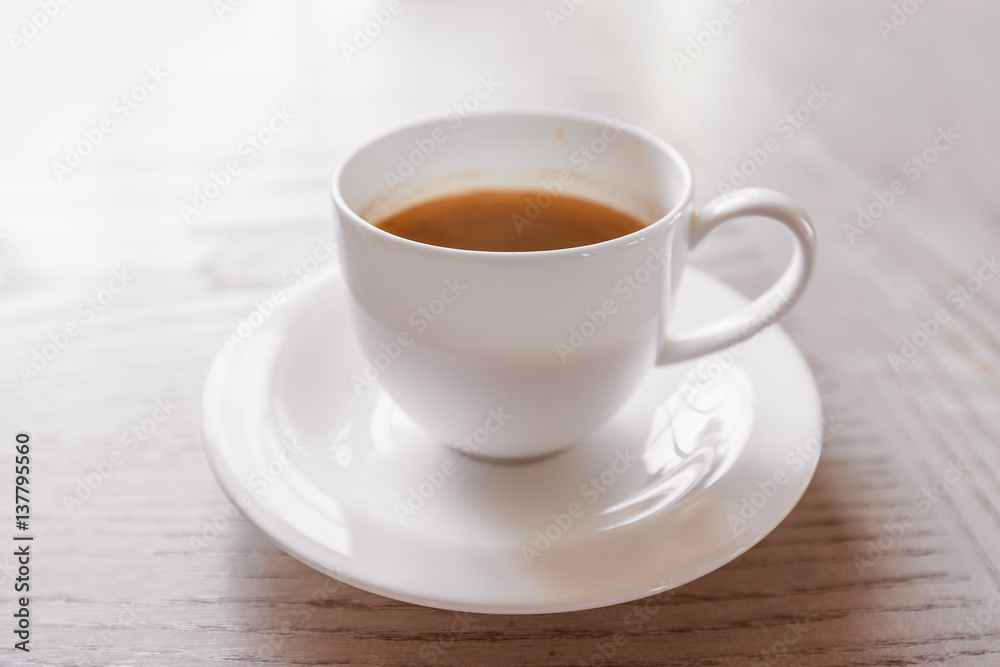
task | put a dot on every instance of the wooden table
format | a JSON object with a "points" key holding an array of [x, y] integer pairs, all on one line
{"points": [[891, 556]]}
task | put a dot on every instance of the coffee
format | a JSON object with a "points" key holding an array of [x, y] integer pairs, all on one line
{"points": [[510, 221]]}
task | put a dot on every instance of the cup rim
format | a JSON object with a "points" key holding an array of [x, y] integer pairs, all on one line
{"points": [[669, 218]]}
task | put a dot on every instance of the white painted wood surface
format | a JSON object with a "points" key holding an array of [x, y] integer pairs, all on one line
{"points": [[115, 581]]}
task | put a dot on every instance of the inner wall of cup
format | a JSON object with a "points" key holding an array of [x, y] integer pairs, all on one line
{"points": [[588, 159]]}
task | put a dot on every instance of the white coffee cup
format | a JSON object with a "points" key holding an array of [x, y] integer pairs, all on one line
{"points": [[517, 355]]}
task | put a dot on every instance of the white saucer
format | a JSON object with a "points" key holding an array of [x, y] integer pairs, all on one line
{"points": [[708, 476]]}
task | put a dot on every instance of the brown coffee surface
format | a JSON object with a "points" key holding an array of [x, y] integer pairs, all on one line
{"points": [[510, 221]]}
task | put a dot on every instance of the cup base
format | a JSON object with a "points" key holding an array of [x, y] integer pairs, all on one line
{"points": [[510, 460]]}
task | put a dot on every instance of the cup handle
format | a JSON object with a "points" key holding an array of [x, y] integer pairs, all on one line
{"points": [[772, 304]]}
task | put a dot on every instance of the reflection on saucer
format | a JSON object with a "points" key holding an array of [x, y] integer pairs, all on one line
{"points": [[695, 436]]}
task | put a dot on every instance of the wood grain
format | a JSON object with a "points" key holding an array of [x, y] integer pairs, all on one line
{"points": [[115, 578]]}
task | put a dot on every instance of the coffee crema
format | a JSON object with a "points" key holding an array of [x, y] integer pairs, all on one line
{"points": [[501, 221]]}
